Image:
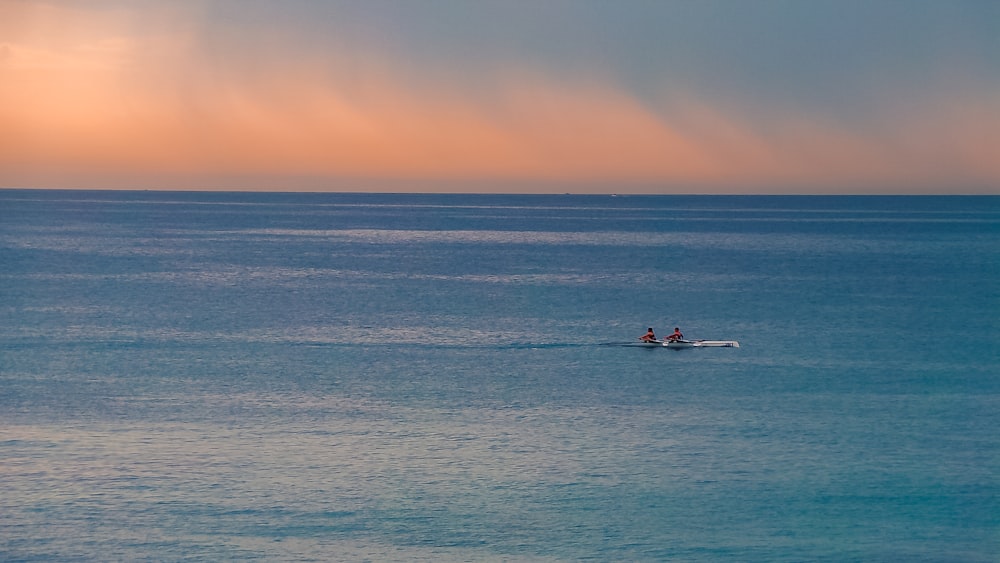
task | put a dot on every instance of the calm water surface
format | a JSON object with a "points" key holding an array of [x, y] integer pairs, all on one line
{"points": [[444, 377]]}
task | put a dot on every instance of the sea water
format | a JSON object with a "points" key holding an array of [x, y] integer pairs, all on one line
{"points": [[350, 377]]}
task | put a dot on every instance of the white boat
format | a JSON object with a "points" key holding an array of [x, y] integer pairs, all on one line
{"points": [[679, 344], [676, 344]]}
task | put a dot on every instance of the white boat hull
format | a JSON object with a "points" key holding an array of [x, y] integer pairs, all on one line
{"points": [[676, 344]]}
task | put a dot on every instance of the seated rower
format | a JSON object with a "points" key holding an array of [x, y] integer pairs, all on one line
{"points": [[676, 335], [649, 336]]}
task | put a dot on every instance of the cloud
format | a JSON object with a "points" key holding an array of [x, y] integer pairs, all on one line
{"points": [[114, 103]]}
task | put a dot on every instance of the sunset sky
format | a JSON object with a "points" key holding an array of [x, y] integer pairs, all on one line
{"points": [[643, 96]]}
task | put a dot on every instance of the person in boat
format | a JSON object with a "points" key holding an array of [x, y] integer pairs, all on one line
{"points": [[676, 335], [649, 336]]}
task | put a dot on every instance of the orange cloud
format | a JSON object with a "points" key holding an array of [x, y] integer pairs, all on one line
{"points": [[99, 118], [103, 104]]}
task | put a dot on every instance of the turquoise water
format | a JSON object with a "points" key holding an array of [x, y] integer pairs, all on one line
{"points": [[444, 377]]}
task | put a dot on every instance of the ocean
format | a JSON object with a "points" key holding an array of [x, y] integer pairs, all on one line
{"points": [[429, 377]]}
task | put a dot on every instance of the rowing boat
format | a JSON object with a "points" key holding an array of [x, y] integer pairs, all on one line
{"points": [[680, 344]]}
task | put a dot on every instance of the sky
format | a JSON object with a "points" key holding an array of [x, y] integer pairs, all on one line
{"points": [[548, 96]]}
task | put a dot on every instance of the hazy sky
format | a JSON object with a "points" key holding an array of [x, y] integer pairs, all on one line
{"points": [[694, 96]]}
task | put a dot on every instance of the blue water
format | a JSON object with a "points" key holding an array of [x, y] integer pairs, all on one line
{"points": [[316, 377]]}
